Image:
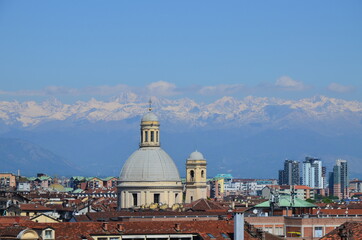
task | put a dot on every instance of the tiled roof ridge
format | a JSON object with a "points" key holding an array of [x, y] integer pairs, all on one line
{"points": [[207, 203], [348, 229]]}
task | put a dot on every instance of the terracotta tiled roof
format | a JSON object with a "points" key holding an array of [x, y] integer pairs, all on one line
{"points": [[10, 231], [11, 220], [101, 190], [349, 230], [115, 215], [205, 205], [340, 206], [241, 209], [48, 195], [105, 204], [59, 207], [73, 231], [34, 207], [343, 211], [82, 218], [355, 206]]}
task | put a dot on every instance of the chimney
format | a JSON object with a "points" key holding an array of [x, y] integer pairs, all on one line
{"points": [[238, 226]]}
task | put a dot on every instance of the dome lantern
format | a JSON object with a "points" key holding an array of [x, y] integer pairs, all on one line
{"points": [[150, 129]]}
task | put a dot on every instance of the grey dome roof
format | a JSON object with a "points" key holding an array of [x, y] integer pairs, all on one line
{"points": [[196, 156], [150, 116], [149, 164]]}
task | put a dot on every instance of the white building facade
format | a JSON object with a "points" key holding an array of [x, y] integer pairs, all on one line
{"points": [[149, 176], [312, 173]]}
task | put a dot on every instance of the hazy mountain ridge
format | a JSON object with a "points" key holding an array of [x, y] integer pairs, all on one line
{"points": [[18, 154], [225, 112]]}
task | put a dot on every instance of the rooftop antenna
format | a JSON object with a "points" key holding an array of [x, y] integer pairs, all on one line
{"points": [[150, 105]]}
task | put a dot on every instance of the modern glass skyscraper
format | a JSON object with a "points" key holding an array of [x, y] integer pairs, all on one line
{"points": [[339, 180], [290, 174], [312, 173]]}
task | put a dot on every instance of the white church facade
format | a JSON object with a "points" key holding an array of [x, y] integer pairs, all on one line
{"points": [[150, 176]]}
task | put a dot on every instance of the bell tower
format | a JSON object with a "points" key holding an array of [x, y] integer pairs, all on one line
{"points": [[150, 129], [195, 177]]}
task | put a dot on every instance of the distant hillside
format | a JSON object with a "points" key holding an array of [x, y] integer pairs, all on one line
{"points": [[31, 159]]}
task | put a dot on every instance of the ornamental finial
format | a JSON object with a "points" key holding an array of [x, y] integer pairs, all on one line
{"points": [[150, 105]]}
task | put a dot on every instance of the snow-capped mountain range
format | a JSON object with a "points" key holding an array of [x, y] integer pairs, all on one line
{"points": [[225, 112], [248, 137]]}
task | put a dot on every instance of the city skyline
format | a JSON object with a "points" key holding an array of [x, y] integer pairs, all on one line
{"points": [[172, 119], [263, 81]]}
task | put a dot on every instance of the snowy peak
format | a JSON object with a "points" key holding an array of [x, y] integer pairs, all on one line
{"points": [[225, 112]]}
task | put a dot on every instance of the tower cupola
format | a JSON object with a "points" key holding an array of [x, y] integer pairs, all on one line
{"points": [[150, 129], [195, 177]]}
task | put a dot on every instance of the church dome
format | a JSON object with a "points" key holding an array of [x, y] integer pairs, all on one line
{"points": [[149, 117], [196, 156], [149, 164]]}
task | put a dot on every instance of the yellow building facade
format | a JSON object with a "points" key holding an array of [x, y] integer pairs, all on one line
{"points": [[195, 177]]}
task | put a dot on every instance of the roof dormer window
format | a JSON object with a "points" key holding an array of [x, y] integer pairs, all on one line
{"points": [[48, 233]]}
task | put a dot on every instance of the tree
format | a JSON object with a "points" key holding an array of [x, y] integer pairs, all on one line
{"points": [[310, 200]]}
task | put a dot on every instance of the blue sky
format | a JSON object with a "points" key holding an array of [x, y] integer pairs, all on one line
{"points": [[200, 49]]}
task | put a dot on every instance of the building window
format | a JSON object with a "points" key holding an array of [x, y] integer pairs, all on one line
{"points": [[210, 235], [279, 231], [318, 232], [224, 235], [156, 198], [202, 173], [156, 136], [135, 200], [141, 136], [152, 136], [146, 136], [176, 195], [192, 175], [48, 234]]}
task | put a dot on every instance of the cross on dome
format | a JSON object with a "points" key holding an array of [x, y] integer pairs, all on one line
{"points": [[150, 105]]}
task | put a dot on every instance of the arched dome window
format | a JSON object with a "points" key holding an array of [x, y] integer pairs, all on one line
{"points": [[202, 173]]}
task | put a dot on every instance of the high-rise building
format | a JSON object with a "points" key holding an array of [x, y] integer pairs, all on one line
{"points": [[339, 180], [281, 179], [290, 174], [312, 174], [324, 176]]}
